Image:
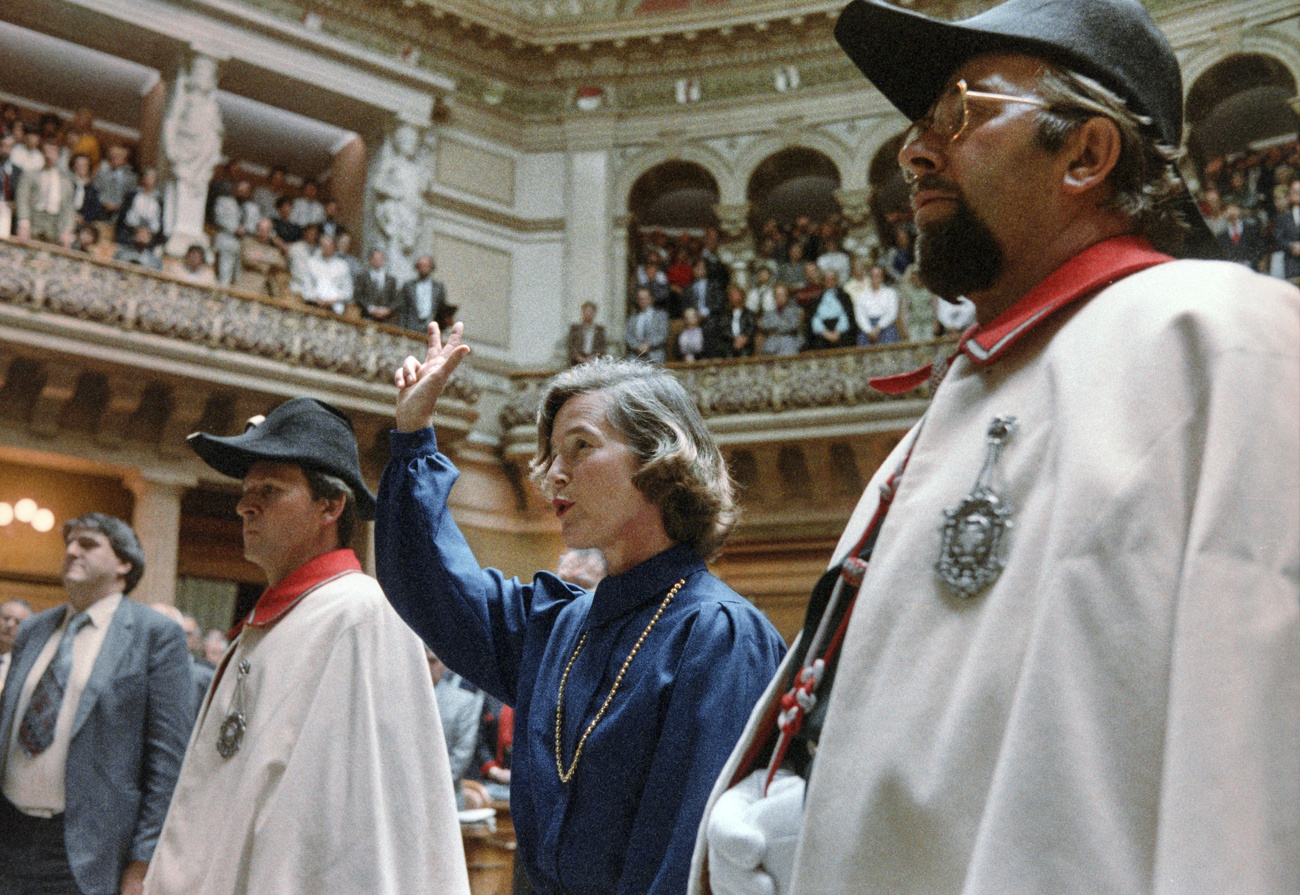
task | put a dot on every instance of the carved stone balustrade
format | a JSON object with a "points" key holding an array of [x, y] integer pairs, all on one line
{"points": [[129, 361]]}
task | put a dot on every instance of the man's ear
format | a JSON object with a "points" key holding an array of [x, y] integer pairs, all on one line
{"points": [[1091, 153], [333, 509]]}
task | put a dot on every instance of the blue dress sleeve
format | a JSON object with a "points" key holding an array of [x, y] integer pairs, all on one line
{"points": [[475, 619], [731, 653]]}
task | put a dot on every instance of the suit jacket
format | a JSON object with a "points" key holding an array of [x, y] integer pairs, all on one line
{"points": [[28, 199], [408, 315], [719, 340], [128, 738], [1285, 232], [655, 335], [366, 294], [575, 341], [1249, 246]]}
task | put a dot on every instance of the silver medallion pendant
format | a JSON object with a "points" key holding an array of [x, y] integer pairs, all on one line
{"points": [[231, 734], [971, 556]]}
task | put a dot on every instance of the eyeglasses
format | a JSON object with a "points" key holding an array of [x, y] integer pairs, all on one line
{"points": [[949, 117]]}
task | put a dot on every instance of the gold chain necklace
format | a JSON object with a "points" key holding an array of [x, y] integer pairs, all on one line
{"points": [[566, 776]]}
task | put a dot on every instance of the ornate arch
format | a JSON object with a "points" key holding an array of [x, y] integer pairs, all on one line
{"points": [[1263, 41], [642, 163], [840, 154]]}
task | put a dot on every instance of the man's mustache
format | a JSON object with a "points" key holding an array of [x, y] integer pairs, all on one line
{"points": [[934, 182]]}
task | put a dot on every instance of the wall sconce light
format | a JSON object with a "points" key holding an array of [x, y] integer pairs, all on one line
{"points": [[26, 510]]}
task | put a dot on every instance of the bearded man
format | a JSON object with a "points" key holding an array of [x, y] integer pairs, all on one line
{"points": [[1058, 649]]}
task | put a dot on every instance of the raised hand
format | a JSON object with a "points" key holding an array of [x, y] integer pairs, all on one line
{"points": [[419, 385]]}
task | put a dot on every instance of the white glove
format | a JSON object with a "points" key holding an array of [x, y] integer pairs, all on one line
{"points": [[752, 838]]}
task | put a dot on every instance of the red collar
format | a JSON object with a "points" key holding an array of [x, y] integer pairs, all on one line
{"points": [[276, 601], [1087, 273]]}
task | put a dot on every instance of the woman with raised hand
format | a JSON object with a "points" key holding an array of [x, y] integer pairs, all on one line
{"points": [[627, 700]]}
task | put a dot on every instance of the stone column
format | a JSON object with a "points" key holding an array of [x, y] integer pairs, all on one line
{"points": [[737, 245], [152, 107], [348, 183], [192, 134], [157, 522], [588, 179]]}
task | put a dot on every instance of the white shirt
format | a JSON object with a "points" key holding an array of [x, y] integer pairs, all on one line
{"points": [[874, 308], [36, 783], [329, 280]]}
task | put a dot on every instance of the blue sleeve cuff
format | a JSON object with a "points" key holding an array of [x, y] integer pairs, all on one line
{"points": [[408, 445]]}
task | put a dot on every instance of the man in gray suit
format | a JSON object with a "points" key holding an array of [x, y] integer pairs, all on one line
{"points": [[94, 720], [646, 332]]}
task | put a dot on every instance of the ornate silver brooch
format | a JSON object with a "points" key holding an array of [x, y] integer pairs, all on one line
{"points": [[231, 734], [971, 557]]}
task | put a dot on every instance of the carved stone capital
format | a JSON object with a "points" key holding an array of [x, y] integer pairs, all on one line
{"points": [[855, 204], [733, 220]]}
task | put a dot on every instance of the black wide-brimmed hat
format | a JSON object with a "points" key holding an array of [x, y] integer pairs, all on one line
{"points": [[910, 58], [303, 431]]}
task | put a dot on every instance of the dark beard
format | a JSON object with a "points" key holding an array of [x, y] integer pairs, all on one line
{"points": [[958, 256]]}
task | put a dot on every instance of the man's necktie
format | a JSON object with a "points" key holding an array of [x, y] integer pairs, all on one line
{"points": [[37, 729]]}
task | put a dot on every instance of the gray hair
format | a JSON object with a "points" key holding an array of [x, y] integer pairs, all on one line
{"points": [[327, 487], [1146, 182], [682, 471]]}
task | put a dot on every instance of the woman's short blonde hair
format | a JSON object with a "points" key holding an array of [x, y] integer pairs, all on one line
{"points": [[682, 471]]}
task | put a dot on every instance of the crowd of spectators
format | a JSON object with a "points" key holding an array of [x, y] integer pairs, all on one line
{"points": [[1252, 204], [803, 292], [60, 184]]}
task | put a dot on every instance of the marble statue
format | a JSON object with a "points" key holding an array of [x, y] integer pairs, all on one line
{"points": [[192, 132]]}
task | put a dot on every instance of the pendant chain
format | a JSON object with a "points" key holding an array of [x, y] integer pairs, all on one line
{"points": [[566, 776]]}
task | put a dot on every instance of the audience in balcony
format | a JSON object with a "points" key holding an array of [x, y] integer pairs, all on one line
{"points": [[586, 337], [9, 169], [264, 269], [115, 180], [375, 290], [782, 326], [27, 153], [791, 271], [423, 299], [194, 268], [85, 198], [760, 298], [832, 324], [704, 294], [44, 201], [307, 209], [1241, 239], [140, 250], [329, 281], [269, 195], [690, 341], [298, 254], [286, 231], [142, 207], [87, 239], [646, 333], [235, 216], [730, 331], [834, 258], [1286, 234], [875, 307]]}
